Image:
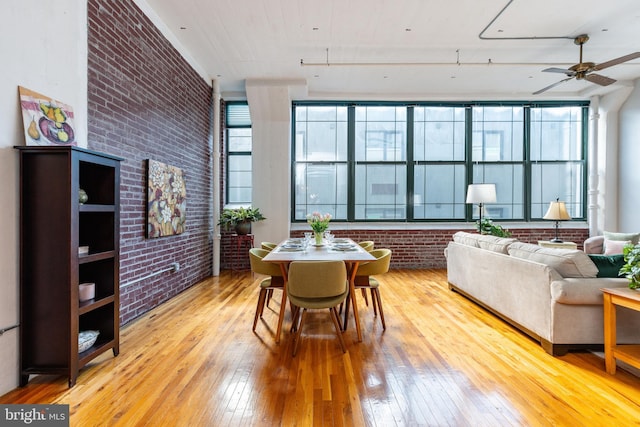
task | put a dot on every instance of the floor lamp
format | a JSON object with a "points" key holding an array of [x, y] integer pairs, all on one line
{"points": [[557, 212], [481, 194]]}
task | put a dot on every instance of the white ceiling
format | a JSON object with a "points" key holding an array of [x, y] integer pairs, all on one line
{"points": [[406, 49]]}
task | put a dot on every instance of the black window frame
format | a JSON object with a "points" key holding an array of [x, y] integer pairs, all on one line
{"points": [[468, 162]]}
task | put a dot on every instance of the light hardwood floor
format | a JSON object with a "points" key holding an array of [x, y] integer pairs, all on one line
{"points": [[443, 361]]}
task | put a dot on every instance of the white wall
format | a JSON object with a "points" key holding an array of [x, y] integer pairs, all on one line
{"points": [[270, 108], [44, 48], [608, 158], [629, 160]]}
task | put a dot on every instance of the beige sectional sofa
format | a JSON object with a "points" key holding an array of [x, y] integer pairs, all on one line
{"points": [[551, 294]]}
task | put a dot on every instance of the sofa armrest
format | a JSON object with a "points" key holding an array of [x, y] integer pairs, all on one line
{"points": [[578, 291], [594, 245]]}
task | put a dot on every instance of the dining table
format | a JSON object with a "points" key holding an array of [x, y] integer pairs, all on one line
{"points": [[343, 249]]}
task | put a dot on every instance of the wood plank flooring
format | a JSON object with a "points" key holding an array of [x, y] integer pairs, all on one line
{"points": [[443, 361]]}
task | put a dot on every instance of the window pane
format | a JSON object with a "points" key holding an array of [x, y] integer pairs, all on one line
{"points": [[498, 134], [238, 114], [322, 188], [239, 178], [556, 133], [439, 192], [321, 134], [239, 139], [381, 134], [380, 192], [556, 180], [438, 133], [509, 181]]}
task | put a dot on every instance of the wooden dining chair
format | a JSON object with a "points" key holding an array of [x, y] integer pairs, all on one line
{"points": [[364, 279], [268, 284], [316, 285]]}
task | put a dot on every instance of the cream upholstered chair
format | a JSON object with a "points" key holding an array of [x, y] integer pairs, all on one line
{"points": [[364, 281], [316, 285], [268, 284], [269, 246], [367, 245]]}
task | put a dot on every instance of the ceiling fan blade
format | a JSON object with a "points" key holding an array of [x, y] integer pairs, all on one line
{"points": [[551, 86], [560, 70], [617, 61], [599, 80]]}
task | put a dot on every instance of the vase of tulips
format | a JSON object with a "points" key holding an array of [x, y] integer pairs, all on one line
{"points": [[319, 224]]}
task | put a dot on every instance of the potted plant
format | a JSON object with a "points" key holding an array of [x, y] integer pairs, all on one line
{"points": [[240, 219], [631, 267], [488, 227]]}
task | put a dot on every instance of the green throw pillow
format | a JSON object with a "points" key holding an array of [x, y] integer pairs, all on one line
{"points": [[608, 265]]}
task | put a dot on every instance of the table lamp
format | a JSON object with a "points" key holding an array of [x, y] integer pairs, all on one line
{"points": [[481, 194], [557, 212]]}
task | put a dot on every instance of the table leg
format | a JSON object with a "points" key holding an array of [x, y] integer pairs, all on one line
{"points": [[609, 334], [283, 303]]}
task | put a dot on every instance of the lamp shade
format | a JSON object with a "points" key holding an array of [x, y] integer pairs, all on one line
{"points": [[557, 212], [481, 193]]}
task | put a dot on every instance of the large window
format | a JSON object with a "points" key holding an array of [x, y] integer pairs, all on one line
{"points": [[557, 156], [380, 184], [239, 148], [439, 162], [413, 162]]}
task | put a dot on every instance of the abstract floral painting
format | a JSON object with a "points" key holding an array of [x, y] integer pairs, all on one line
{"points": [[46, 121], [166, 200]]}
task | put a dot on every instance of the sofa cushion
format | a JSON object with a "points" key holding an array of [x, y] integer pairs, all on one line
{"points": [[484, 241], [495, 243], [608, 265], [567, 262], [615, 247], [633, 237], [467, 239]]}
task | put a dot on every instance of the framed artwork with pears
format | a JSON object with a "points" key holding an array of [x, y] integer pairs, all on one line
{"points": [[46, 121]]}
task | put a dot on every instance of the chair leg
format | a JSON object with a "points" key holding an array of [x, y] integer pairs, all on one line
{"points": [[298, 334], [269, 295], [373, 303], [364, 295], [295, 312], [259, 307], [336, 322], [379, 301]]}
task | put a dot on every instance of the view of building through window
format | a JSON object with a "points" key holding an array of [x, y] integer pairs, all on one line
{"points": [[392, 162], [239, 149]]}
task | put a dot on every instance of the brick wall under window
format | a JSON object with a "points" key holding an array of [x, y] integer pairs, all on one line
{"points": [[411, 248]]}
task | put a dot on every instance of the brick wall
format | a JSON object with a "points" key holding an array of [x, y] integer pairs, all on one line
{"points": [[425, 248], [146, 102], [412, 248]]}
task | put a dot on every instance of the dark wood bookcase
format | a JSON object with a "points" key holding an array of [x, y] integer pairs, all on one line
{"points": [[53, 225]]}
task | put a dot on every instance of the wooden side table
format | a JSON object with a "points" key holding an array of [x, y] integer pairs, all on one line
{"points": [[240, 242], [628, 353], [561, 245]]}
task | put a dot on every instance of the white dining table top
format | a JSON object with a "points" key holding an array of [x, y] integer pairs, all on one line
{"points": [[327, 252]]}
